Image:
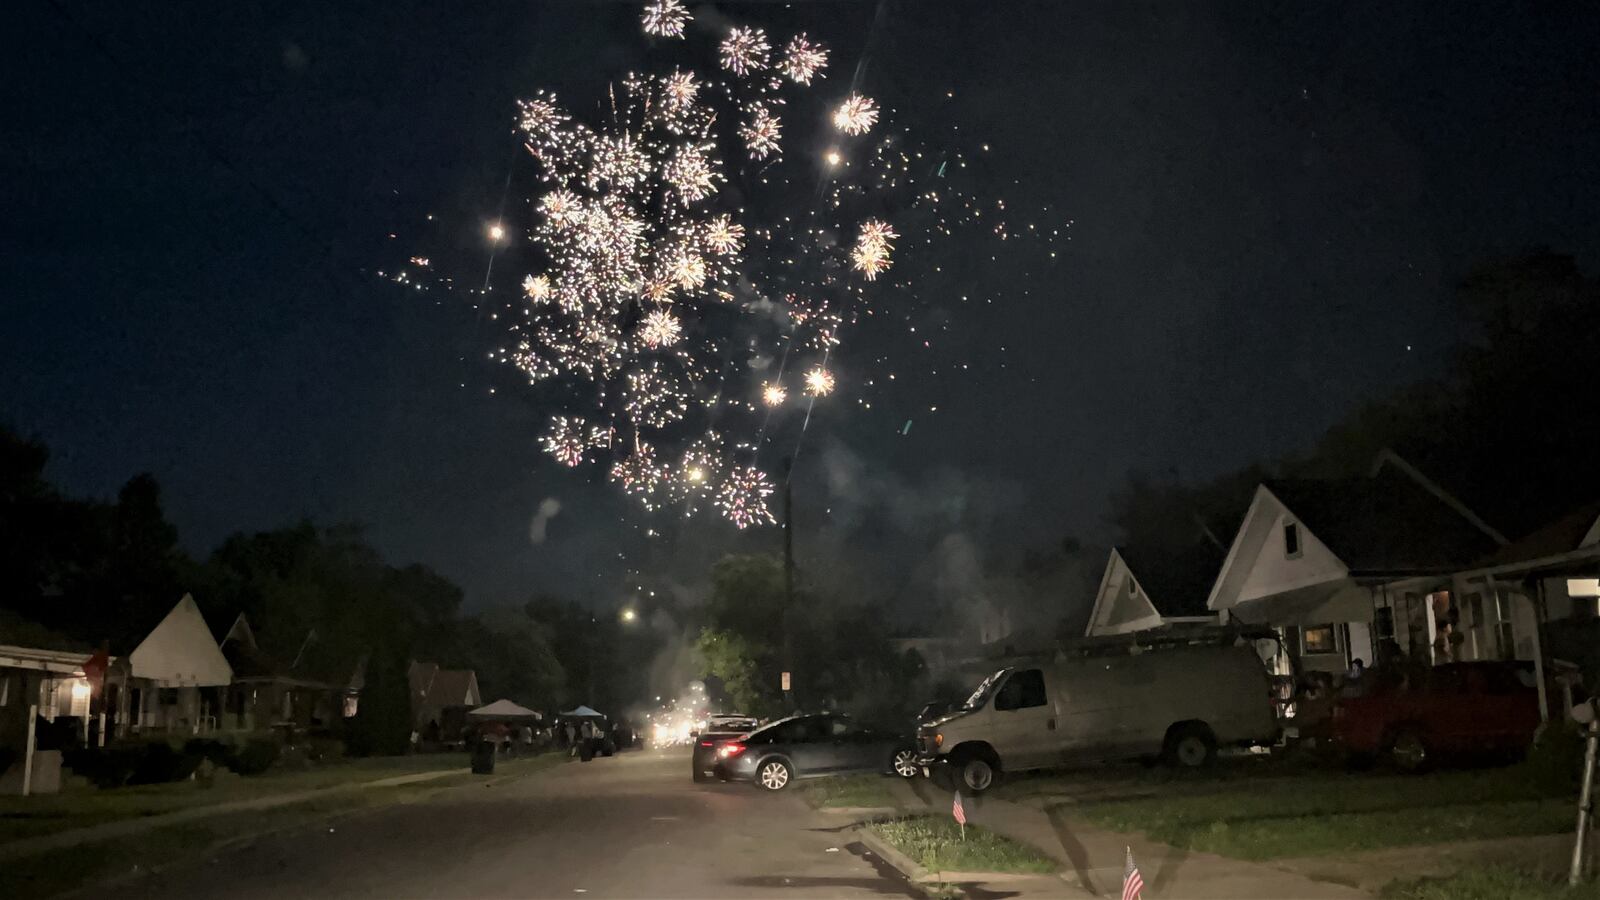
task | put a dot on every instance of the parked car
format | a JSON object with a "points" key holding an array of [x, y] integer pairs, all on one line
{"points": [[1449, 710], [774, 756], [720, 729], [1179, 703], [935, 709]]}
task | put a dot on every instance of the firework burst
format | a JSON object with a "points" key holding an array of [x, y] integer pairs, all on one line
{"points": [[666, 18], [692, 171], [761, 133], [774, 394], [856, 115], [819, 382], [724, 236], [745, 50], [537, 288], [743, 497], [803, 60], [660, 329], [565, 440]]}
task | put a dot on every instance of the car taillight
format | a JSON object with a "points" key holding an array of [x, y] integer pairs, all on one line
{"points": [[707, 744], [730, 750]]}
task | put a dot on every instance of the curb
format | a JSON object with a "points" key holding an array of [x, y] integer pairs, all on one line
{"points": [[865, 812], [949, 878]]}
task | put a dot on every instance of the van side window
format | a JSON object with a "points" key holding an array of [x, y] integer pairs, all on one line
{"points": [[1022, 690]]}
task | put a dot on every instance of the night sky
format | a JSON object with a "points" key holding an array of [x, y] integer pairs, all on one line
{"points": [[1270, 203]]}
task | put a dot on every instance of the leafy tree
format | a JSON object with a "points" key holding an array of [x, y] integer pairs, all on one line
{"points": [[731, 659]]}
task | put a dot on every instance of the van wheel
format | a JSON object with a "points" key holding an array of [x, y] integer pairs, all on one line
{"points": [[1191, 746], [977, 773]]}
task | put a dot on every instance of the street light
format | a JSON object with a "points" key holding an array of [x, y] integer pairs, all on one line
{"points": [[629, 615]]}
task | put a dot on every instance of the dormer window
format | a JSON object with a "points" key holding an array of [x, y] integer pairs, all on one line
{"points": [[1133, 588], [1291, 540]]}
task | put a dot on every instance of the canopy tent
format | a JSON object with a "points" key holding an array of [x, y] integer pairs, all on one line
{"points": [[504, 709], [582, 712]]}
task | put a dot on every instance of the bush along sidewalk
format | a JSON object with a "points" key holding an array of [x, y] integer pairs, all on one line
{"points": [[937, 845]]}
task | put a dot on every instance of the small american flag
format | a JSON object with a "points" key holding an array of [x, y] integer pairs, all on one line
{"points": [[1132, 882], [958, 811]]}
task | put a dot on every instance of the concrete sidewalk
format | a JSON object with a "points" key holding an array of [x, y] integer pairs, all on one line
{"points": [[130, 826], [1093, 858]]}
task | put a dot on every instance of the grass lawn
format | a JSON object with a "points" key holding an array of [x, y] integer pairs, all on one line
{"points": [[1312, 813], [81, 807], [847, 791], [1489, 884], [935, 843]]}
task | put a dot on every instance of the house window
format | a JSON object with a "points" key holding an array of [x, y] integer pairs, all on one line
{"points": [[1291, 540], [5, 689], [1502, 607], [1474, 611], [1318, 639], [167, 696], [1133, 588]]}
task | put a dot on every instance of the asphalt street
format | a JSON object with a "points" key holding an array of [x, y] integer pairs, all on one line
{"points": [[630, 826]]}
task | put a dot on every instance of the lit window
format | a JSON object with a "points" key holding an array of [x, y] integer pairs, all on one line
{"points": [[1318, 639]]}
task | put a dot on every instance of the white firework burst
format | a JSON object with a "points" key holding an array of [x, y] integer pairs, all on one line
{"points": [[774, 394], [541, 117], [565, 440], [819, 382], [743, 497], [803, 60], [689, 271], [537, 287], [724, 236], [745, 50], [666, 18], [762, 133], [561, 207], [654, 397], [637, 472], [660, 329], [678, 90], [856, 115], [873, 246], [692, 172], [619, 161]]}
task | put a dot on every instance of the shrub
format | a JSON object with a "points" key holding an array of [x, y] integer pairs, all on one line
{"points": [[255, 757], [1555, 761], [160, 763]]}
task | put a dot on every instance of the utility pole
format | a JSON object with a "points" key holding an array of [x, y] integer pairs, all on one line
{"points": [[788, 581]]}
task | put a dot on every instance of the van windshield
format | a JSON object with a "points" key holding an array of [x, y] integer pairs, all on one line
{"points": [[981, 695]]}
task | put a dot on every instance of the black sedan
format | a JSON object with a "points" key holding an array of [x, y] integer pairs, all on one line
{"points": [[772, 757]]}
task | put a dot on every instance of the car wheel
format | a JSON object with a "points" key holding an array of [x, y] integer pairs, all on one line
{"points": [[977, 774], [1191, 746], [699, 777], [1408, 752], [905, 763], [774, 775]]}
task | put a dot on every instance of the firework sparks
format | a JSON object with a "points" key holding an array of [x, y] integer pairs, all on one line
{"points": [[819, 382], [565, 440], [679, 90], [745, 50], [774, 394], [724, 235], [537, 288], [856, 115], [655, 398], [743, 497], [637, 472], [660, 329], [873, 246], [803, 60], [761, 133], [666, 18], [692, 171]]}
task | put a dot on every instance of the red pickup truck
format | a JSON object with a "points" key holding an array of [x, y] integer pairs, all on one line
{"points": [[1454, 709]]}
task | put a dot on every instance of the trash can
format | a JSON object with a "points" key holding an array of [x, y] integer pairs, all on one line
{"points": [[483, 758]]}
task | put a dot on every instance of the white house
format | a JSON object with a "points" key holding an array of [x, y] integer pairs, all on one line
{"points": [[176, 677], [1143, 590], [1350, 568]]}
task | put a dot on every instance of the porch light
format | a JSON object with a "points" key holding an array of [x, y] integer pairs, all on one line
{"points": [[80, 691]]}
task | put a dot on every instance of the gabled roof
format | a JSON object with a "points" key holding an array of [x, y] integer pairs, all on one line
{"points": [[1573, 531], [1386, 524], [1176, 583], [181, 650]]}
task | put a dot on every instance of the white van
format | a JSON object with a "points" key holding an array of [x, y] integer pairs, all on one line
{"points": [[1178, 703]]}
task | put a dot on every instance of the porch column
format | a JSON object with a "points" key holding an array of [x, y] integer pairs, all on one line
{"points": [[1538, 648]]}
